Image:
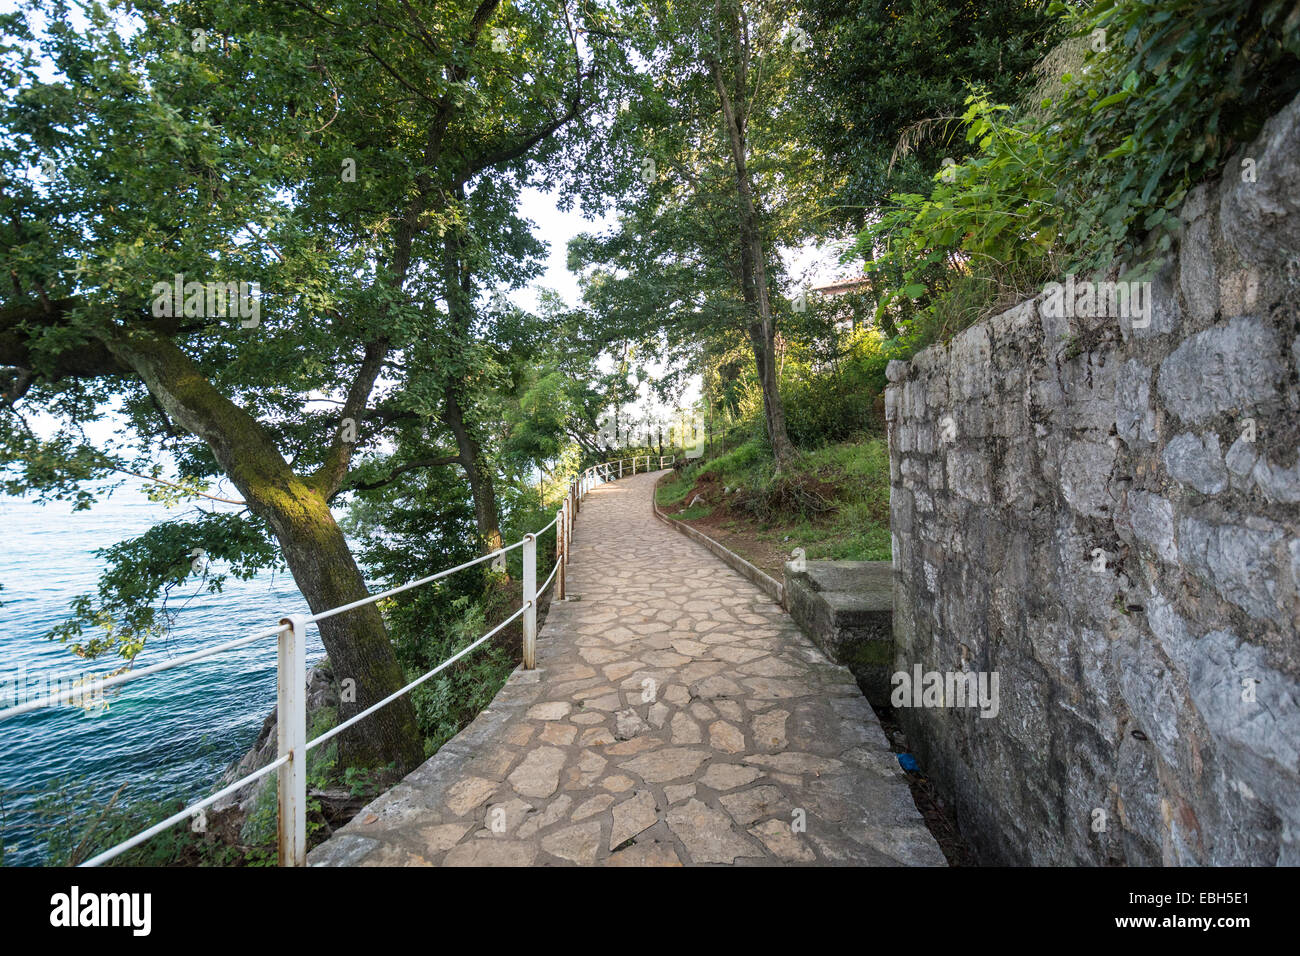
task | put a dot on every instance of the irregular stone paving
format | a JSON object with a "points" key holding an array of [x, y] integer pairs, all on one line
{"points": [[677, 716]]}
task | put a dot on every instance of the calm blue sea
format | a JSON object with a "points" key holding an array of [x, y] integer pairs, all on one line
{"points": [[171, 734]]}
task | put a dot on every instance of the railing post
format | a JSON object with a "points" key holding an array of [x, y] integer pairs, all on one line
{"points": [[661, 462], [530, 601], [291, 725], [559, 554], [620, 467]]}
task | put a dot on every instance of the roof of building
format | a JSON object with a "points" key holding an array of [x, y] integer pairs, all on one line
{"points": [[841, 286]]}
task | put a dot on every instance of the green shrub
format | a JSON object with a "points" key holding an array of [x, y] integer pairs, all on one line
{"points": [[1093, 172], [824, 410], [78, 821], [987, 228], [444, 704], [1178, 85]]}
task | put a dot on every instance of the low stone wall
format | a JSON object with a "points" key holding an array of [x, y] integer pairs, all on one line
{"points": [[846, 608], [1108, 518]]}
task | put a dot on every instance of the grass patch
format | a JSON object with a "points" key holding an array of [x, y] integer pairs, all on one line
{"points": [[835, 542], [691, 514], [674, 490], [739, 462], [832, 501]]}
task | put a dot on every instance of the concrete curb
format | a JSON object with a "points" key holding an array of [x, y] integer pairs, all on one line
{"points": [[760, 579]]}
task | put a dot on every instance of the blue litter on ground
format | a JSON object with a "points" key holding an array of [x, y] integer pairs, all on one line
{"points": [[908, 763]]}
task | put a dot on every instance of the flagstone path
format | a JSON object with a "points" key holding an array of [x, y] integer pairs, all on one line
{"points": [[676, 716]]}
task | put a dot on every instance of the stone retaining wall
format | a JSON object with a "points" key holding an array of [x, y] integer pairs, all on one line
{"points": [[1109, 518]]}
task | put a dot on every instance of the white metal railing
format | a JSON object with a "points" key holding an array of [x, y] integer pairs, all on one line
{"points": [[291, 671]]}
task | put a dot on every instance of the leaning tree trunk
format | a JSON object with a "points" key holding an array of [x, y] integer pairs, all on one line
{"points": [[313, 544], [356, 641]]}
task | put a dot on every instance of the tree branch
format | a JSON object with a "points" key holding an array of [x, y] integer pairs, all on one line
{"points": [[172, 484], [329, 476], [401, 470]]}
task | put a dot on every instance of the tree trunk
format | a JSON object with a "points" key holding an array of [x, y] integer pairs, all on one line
{"points": [[458, 293], [313, 544], [762, 342], [481, 486], [753, 271]]}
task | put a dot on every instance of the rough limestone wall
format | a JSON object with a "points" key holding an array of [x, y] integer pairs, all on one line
{"points": [[1029, 443]]}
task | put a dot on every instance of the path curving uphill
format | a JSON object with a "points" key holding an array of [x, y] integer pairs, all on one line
{"points": [[676, 716]]}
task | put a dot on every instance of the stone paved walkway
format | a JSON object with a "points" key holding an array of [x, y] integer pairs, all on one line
{"points": [[677, 716]]}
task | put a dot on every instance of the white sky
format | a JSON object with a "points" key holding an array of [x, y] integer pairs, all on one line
{"points": [[555, 228]]}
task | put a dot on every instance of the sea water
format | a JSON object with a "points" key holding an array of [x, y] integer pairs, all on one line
{"points": [[169, 735]]}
